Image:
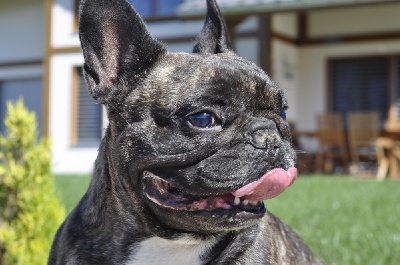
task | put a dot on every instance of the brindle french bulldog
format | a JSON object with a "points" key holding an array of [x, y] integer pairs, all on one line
{"points": [[195, 143]]}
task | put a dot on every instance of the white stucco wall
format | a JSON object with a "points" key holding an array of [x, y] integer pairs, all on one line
{"points": [[21, 30], [66, 159], [285, 72], [63, 33], [355, 20], [285, 23]]}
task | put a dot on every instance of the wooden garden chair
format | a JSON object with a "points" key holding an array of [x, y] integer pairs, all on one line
{"points": [[362, 131], [332, 142]]}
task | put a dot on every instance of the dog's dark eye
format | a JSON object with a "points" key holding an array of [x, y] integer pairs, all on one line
{"points": [[202, 120], [283, 114]]}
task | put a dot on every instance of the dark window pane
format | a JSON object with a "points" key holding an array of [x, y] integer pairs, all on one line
{"points": [[30, 90], [143, 7], [361, 84], [167, 7]]}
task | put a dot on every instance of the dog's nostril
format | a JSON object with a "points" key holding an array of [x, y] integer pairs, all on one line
{"points": [[265, 139], [260, 138]]}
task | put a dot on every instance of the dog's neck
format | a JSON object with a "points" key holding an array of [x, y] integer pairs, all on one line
{"points": [[183, 251], [191, 250]]}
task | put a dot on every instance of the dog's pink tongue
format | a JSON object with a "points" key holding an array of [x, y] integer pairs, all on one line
{"points": [[268, 186]]}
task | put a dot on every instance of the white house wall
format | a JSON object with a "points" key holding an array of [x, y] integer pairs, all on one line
{"points": [[63, 33], [285, 73], [284, 65], [21, 30], [66, 159], [285, 23], [360, 20]]}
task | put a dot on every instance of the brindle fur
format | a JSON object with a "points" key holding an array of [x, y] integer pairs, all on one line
{"points": [[149, 93]]}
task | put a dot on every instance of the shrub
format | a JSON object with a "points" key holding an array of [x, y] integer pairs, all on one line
{"points": [[29, 210]]}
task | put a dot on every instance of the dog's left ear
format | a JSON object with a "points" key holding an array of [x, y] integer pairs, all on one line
{"points": [[214, 37], [116, 45]]}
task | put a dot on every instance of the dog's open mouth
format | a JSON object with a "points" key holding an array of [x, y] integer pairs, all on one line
{"points": [[246, 200]]}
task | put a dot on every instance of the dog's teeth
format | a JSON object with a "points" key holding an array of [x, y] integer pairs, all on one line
{"points": [[236, 201], [245, 202], [253, 203]]}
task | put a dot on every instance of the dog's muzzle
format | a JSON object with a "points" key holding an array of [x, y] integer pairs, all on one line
{"points": [[246, 202]]}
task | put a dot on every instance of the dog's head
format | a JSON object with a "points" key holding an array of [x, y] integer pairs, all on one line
{"points": [[196, 140]]}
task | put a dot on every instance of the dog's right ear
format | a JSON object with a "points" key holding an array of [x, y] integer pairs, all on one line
{"points": [[214, 37], [117, 47]]}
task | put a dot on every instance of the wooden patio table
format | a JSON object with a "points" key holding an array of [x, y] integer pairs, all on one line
{"points": [[388, 153]]}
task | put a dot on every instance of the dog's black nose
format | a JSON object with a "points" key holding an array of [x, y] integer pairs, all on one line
{"points": [[262, 133]]}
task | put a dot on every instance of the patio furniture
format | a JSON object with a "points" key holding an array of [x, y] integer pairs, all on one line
{"points": [[305, 159], [332, 142], [388, 146], [362, 130]]}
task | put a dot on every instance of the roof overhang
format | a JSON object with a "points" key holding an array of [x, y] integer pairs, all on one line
{"points": [[193, 9]]}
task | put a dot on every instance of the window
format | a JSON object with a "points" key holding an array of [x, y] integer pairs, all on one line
{"points": [[167, 7], [86, 115], [144, 8], [31, 92], [364, 84], [156, 8]]}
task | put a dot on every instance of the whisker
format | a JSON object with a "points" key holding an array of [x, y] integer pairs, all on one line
{"points": [[302, 152]]}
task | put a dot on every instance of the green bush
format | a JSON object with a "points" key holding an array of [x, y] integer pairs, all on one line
{"points": [[29, 210]]}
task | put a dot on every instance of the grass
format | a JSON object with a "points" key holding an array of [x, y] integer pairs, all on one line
{"points": [[71, 189], [343, 220]]}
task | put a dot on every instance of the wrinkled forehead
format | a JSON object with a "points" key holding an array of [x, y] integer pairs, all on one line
{"points": [[217, 77]]}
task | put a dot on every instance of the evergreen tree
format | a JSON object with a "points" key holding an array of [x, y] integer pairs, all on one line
{"points": [[30, 211]]}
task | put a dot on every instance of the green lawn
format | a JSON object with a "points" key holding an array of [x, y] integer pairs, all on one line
{"points": [[345, 221], [71, 188]]}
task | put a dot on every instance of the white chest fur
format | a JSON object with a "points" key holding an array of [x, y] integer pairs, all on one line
{"points": [[159, 251]]}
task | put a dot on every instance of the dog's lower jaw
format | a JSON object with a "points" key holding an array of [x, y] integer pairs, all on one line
{"points": [[196, 223], [181, 212]]}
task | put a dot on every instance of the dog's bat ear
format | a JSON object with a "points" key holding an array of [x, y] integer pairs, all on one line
{"points": [[213, 38], [117, 47]]}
